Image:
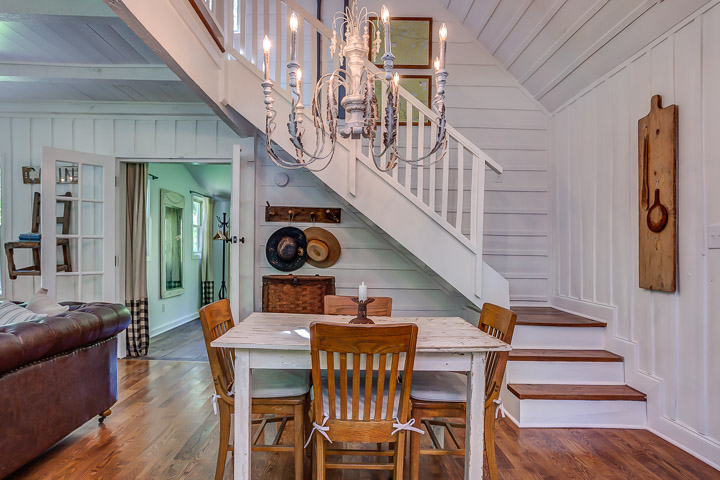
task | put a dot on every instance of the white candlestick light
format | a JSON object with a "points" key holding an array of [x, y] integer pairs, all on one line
{"points": [[362, 292], [266, 64], [293, 37], [443, 45], [386, 23]]}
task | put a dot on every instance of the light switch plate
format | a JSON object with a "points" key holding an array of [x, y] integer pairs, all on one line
{"points": [[714, 236]]}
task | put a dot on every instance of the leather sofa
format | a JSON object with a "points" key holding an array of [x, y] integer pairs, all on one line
{"points": [[56, 373]]}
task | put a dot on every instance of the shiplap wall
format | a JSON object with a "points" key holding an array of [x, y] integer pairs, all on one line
{"points": [[596, 203], [161, 135], [367, 255], [488, 106]]}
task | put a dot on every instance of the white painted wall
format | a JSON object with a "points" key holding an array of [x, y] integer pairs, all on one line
{"points": [[668, 339], [182, 308], [367, 253], [189, 132], [489, 107]]}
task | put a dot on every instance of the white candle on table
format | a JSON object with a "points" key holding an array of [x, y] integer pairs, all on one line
{"points": [[362, 293]]}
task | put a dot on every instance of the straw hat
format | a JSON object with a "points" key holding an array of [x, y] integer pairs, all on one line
{"points": [[286, 249], [323, 249]]}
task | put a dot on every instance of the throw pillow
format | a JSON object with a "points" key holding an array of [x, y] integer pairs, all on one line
{"points": [[41, 303], [11, 313]]}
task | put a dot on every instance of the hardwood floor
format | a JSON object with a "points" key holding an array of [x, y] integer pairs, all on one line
{"points": [[163, 427], [181, 343]]}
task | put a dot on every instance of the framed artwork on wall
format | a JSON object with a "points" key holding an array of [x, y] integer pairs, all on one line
{"points": [[411, 39], [420, 86]]}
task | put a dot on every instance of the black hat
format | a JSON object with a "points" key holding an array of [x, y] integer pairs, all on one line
{"points": [[286, 249]]}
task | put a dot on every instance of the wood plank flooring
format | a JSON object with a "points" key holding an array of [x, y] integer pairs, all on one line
{"points": [[181, 343], [163, 428]]}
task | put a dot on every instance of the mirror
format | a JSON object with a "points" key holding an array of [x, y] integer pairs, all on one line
{"points": [[171, 221]]}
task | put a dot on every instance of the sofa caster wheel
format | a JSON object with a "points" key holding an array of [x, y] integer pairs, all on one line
{"points": [[103, 415]]}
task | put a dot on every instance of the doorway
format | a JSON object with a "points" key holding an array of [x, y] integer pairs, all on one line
{"points": [[184, 253]]}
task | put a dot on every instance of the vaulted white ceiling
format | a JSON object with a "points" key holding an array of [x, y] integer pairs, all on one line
{"points": [[78, 50], [556, 48]]}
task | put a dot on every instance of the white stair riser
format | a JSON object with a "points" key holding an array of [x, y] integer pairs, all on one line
{"points": [[575, 413], [569, 373], [576, 338]]}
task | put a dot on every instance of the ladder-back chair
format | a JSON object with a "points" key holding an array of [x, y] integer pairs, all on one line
{"points": [[281, 393], [340, 305], [359, 398], [444, 394], [34, 245]]}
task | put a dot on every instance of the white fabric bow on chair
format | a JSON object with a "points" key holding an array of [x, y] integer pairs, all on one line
{"points": [[322, 429], [405, 426], [214, 398], [500, 408]]}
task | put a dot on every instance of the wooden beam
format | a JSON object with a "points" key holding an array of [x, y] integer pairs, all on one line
{"points": [[39, 72], [84, 8]]}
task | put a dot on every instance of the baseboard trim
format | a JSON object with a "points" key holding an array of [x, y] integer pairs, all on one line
{"points": [[174, 324], [693, 443], [595, 311]]}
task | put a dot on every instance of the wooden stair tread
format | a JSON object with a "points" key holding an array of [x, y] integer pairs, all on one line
{"points": [[552, 355], [575, 392], [552, 317]]}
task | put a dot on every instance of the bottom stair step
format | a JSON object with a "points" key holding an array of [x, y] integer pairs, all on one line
{"points": [[574, 406], [576, 392]]}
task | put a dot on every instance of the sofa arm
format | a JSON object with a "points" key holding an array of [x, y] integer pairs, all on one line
{"points": [[26, 342]]}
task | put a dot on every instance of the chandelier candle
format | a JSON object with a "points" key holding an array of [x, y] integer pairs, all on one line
{"points": [[443, 45], [293, 37], [386, 23], [266, 63]]}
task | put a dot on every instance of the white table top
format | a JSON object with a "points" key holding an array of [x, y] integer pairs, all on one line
{"points": [[289, 331]]}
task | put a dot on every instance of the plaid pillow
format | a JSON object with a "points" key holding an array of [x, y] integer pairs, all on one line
{"points": [[11, 313]]}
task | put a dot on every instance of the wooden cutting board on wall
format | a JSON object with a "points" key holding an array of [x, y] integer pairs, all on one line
{"points": [[658, 148]]}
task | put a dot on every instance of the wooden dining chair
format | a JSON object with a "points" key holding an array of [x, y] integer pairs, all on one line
{"points": [[340, 305], [281, 393], [444, 394], [369, 410]]}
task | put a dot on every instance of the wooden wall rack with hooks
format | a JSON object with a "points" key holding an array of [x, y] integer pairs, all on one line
{"points": [[302, 214]]}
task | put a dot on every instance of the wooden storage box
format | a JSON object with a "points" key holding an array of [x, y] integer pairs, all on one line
{"points": [[296, 293]]}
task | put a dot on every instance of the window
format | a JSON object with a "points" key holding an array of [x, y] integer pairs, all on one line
{"points": [[236, 24], [198, 216]]}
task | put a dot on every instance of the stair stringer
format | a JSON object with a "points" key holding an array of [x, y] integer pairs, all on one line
{"points": [[232, 86]]}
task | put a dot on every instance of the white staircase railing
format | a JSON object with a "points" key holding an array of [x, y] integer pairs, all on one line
{"points": [[450, 191]]}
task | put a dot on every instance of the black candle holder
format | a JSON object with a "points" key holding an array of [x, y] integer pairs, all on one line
{"points": [[362, 317]]}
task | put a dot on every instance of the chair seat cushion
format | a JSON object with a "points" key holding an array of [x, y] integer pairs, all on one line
{"points": [[439, 387], [361, 399], [279, 383]]}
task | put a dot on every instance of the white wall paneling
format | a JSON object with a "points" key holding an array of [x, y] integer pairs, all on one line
{"points": [[557, 47], [175, 132], [666, 338]]}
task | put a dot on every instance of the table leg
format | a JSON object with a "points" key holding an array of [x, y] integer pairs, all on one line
{"points": [[475, 421], [243, 411]]}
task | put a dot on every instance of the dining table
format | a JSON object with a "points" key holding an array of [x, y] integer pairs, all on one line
{"points": [[282, 341]]}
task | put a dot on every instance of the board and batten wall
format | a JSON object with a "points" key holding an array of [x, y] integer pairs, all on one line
{"points": [[489, 107], [140, 132], [668, 340], [367, 254]]}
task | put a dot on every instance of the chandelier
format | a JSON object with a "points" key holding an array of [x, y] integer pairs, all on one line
{"points": [[359, 102]]}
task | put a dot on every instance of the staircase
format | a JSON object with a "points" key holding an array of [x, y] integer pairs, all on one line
{"points": [[559, 375], [436, 212]]}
